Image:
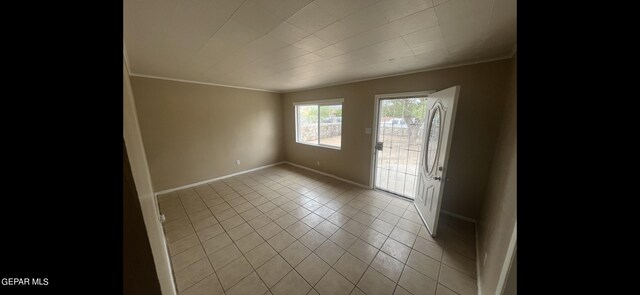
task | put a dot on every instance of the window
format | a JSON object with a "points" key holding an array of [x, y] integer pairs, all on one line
{"points": [[319, 123]]}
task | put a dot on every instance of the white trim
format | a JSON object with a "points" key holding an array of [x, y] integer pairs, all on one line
{"points": [[374, 129], [322, 146], [508, 258], [319, 102], [203, 83], [214, 179], [327, 174], [404, 73]]}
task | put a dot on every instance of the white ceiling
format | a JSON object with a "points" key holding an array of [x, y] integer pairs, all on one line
{"points": [[287, 45]]}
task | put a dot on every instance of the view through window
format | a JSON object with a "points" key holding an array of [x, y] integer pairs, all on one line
{"points": [[319, 123]]}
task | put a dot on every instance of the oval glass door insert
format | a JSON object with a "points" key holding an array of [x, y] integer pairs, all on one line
{"points": [[433, 140]]}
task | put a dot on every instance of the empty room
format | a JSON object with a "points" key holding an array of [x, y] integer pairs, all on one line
{"points": [[320, 147]]}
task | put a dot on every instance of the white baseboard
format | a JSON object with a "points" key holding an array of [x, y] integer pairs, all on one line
{"points": [[458, 216], [327, 174], [214, 179]]}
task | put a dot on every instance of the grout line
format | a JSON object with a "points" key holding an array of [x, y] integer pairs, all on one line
{"points": [[288, 185]]}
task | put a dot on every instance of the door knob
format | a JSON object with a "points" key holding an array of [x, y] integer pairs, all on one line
{"points": [[437, 178]]}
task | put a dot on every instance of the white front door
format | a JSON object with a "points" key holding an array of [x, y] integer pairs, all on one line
{"points": [[432, 171]]}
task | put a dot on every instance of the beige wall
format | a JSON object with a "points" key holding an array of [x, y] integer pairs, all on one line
{"points": [[498, 215], [477, 120], [194, 132], [142, 179]]}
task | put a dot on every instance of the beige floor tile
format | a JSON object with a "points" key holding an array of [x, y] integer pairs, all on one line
{"points": [[373, 238], [460, 263], [251, 284], [374, 283], [388, 218], [281, 241], [364, 218], [363, 251], [354, 227], [209, 285], [209, 232], [300, 212], [442, 290], [249, 242], [269, 230], [431, 249], [240, 231], [204, 223], [326, 228], [396, 249], [176, 224], [200, 214], [259, 221], [424, 264], [216, 243], [192, 274], [275, 213], [388, 266], [403, 236], [225, 214], [382, 226], [234, 272], [286, 220], [357, 291], [324, 211], [268, 206], [312, 240], [260, 255], [232, 222], [457, 281], [338, 219], [273, 270], [298, 229], [371, 210], [343, 238], [250, 214], [312, 268], [312, 205], [409, 226], [350, 267], [179, 233], [213, 201], [417, 283], [290, 206], [330, 252], [312, 219], [333, 283], [401, 291], [183, 244], [187, 257], [291, 284], [224, 256], [243, 207], [295, 253], [348, 211]]}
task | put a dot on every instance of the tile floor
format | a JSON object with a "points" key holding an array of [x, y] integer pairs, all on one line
{"points": [[285, 230]]}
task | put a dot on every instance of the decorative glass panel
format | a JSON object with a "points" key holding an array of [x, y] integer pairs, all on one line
{"points": [[433, 140]]}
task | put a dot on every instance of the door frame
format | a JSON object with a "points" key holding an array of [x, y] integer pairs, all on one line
{"points": [[374, 129]]}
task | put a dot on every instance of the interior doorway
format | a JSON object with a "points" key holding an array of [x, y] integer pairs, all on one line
{"points": [[398, 141]]}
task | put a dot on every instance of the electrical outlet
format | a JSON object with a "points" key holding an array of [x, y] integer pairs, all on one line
{"points": [[238, 162]]}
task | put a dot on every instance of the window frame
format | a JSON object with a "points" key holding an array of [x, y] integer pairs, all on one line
{"points": [[318, 103]]}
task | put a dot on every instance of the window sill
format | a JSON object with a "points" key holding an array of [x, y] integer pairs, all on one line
{"points": [[321, 145]]}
